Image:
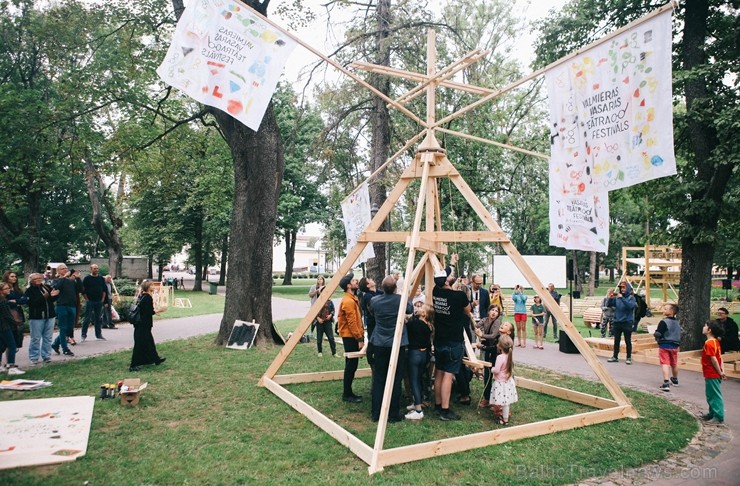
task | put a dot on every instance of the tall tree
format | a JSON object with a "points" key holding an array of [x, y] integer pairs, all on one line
{"points": [[258, 171], [301, 201], [706, 79]]}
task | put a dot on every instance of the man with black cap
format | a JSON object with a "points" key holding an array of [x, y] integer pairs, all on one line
{"points": [[452, 312], [349, 323]]}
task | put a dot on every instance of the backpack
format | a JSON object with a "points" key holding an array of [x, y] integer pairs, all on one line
{"points": [[641, 308], [134, 312]]}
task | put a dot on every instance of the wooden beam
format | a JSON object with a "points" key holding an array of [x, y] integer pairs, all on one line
{"points": [[420, 242], [432, 79], [497, 144], [305, 323], [436, 237], [416, 452], [344, 437], [565, 323], [419, 77], [318, 376], [565, 394], [400, 322]]}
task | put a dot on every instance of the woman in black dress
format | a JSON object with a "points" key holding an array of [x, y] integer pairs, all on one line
{"points": [[145, 351]]}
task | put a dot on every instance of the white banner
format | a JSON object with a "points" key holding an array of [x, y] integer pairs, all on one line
{"points": [[611, 126], [578, 222], [226, 56], [356, 217]]}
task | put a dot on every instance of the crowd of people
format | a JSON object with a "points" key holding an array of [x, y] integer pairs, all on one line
{"points": [[432, 339], [51, 301]]}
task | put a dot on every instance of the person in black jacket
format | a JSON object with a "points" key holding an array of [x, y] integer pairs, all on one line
{"points": [[41, 317], [7, 329], [729, 341], [145, 351]]}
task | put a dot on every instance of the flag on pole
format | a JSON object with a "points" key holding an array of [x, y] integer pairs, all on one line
{"points": [[611, 126], [356, 217], [225, 55]]}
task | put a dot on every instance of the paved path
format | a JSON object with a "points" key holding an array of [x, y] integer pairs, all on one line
{"points": [[725, 466]]}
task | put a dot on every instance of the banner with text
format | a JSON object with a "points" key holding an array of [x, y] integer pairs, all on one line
{"points": [[611, 126], [578, 221], [226, 56], [356, 217]]}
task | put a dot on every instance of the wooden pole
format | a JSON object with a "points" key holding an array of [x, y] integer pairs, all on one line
{"points": [[400, 322], [497, 144]]}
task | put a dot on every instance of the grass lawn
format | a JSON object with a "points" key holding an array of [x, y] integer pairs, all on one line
{"points": [[202, 302], [203, 420]]}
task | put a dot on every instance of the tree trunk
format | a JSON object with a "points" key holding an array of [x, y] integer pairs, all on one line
{"points": [[150, 267], [380, 122], [593, 273], [109, 235], [258, 176], [290, 241], [577, 273], [224, 256], [30, 255], [258, 170], [198, 255], [694, 299], [710, 182]]}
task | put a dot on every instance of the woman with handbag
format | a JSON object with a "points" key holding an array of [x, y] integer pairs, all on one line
{"points": [[8, 330], [16, 298], [145, 351], [41, 317]]}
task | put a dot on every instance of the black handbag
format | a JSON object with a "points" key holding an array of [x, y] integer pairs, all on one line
{"points": [[18, 335], [134, 313]]}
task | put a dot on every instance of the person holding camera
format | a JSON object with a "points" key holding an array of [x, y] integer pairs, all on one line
{"points": [[314, 293], [520, 315], [323, 324]]}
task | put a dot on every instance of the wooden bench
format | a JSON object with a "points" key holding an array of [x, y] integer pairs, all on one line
{"points": [[592, 316]]}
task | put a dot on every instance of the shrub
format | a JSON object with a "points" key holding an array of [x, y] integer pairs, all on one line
{"points": [[125, 286]]}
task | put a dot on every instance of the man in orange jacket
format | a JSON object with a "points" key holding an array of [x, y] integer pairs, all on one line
{"points": [[349, 323]]}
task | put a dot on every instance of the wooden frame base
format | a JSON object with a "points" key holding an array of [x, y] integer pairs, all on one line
{"points": [[608, 410]]}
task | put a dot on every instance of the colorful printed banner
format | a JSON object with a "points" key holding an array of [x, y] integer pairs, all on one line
{"points": [[578, 222], [611, 127], [226, 56], [356, 217]]}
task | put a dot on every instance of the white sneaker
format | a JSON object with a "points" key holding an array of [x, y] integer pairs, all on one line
{"points": [[321, 355], [414, 415], [14, 370], [411, 407]]}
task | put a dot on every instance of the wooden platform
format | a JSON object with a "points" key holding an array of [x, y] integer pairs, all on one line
{"points": [[640, 342], [645, 350]]}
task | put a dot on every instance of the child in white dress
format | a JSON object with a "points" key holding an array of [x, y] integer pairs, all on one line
{"points": [[504, 386]]}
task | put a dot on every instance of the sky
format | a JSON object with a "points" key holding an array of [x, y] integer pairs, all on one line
{"points": [[316, 34]]}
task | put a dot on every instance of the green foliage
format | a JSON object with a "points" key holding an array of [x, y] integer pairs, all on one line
{"points": [[125, 286], [301, 201]]}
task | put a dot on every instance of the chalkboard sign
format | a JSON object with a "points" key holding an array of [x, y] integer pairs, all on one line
{"points": [[242, 335]]}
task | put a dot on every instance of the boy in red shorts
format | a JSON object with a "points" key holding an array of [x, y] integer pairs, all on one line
{"points": [[668, 336]]}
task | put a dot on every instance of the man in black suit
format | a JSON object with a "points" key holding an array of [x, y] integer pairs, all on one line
{"points": [[480, 301]]}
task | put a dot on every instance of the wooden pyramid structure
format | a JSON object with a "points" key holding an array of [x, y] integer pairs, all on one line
{"points": [[428, 239]]}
